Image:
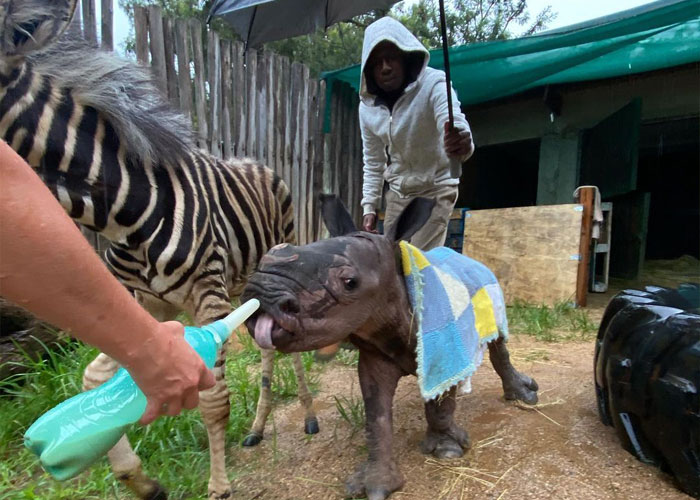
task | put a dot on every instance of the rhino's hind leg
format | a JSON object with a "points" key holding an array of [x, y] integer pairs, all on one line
{"points": [[516, 385], [444, 439]]}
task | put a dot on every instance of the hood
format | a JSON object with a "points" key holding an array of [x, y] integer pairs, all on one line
{"points": [[390, 30]]}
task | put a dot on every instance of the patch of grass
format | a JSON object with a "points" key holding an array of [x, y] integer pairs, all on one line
{"points": [[348, 357], [352, 410], [173, 450], [560, 322]]}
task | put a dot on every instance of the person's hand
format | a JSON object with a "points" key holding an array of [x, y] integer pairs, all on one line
{"points": [[170, 373], [458, 143], [369, 223]]}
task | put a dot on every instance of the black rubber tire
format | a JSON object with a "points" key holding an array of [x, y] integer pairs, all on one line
{"points": [[647, 379]]}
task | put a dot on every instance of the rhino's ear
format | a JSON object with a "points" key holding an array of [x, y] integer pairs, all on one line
{"points": [[335, 215], [411, 219], [29, 25]]}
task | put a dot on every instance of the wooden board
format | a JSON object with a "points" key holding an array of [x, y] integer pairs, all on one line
{"points": [[533, 251]]}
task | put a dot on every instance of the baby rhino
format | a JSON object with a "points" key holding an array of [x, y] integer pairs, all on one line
{"points": [[389, 299]]}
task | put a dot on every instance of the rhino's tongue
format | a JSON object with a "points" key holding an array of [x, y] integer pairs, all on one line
{"points": [[263, 331]]}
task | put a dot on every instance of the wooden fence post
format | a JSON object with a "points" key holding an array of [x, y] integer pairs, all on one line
{"points": [[106, 27], [141, 34], [586, 197], [89, 21], [182, 48], [200, 98], [157, 47]]}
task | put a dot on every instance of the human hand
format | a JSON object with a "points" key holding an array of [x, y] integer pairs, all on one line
{"points": [[170, 373], [369, 223], [458, 143]]}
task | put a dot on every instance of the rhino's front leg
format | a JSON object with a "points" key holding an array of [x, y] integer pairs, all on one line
{"points": [[515, 384], [444, 439], [379, 476]]}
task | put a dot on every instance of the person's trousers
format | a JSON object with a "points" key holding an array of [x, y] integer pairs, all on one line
{"points": [[434, 232]]}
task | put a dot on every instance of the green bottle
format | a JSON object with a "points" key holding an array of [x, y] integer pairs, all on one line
{"points": [[72, 435]]}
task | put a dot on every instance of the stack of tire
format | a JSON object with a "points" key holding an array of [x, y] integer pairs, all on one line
{"points": [[647, 378]]}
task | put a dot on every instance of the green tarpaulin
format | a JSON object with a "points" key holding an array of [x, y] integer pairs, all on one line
{"points": [[658, 35]]}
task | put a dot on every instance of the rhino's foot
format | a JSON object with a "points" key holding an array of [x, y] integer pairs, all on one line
{"points": [[374, 481], [446, 444], [520, 387]]}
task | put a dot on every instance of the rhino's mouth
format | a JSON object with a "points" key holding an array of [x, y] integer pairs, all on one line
{"points": [[268, 332]]}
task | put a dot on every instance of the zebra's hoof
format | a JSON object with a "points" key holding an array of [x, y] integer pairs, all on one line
{"points": [[252, 439], [311, 426]]}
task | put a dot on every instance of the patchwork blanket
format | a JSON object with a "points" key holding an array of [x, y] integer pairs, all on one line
{"points": [[458, 307]]}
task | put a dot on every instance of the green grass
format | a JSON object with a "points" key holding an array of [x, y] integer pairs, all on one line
{"points": [[172, 449], [560, 322], [352, 411]]}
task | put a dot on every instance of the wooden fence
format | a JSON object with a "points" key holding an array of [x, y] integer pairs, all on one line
{"points": [[256, 104]]}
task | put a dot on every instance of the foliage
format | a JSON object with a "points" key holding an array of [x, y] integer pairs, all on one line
{"points": [[552, 324], [173, 449], [341, 45], [352, 411]]}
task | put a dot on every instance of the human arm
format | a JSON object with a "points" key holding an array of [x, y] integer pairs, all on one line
{"points": [[374, 162], [458, 142], [47, 267]]}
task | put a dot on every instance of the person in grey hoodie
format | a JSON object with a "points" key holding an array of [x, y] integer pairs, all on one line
{"points": [[405, 133]]}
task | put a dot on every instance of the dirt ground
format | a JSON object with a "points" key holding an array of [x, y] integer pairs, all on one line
{"points": [[560, 450]]}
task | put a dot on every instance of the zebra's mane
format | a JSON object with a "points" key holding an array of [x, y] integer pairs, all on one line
{"points": [[122, 91]]}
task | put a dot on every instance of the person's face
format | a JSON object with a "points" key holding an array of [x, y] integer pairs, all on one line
{"points": [[386, 63]]}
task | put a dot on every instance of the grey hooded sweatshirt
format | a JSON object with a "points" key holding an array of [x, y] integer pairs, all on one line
{"points": [[412, 132]]}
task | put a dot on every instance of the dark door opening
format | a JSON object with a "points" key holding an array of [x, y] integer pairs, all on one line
{"points": [[669, 170], [501, 176]]}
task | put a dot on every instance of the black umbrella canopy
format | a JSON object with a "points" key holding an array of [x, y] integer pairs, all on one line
{"points": [[260, 21]]}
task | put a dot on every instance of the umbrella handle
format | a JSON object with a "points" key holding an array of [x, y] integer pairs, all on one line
{"points": [[445, 54]]}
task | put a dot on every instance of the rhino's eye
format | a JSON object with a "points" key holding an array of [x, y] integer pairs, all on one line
{"points": [[350, 283]]}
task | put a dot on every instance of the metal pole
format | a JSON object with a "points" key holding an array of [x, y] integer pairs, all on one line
{"points": [[443, 32]]}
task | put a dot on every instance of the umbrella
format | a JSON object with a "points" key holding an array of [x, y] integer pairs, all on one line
{"points": [[260, 21]]}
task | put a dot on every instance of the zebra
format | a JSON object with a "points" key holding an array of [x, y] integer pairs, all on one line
{"points": [[185, 228]]}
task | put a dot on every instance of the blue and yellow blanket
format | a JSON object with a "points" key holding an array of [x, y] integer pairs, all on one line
{"points": [[458, 308]]}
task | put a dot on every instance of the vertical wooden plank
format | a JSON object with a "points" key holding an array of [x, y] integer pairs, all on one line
{"points": [[270, 113], [89, 21], [182, 47], [239, 108], [226, 96], [350, 166], [106, 25], [286, 121], [200, 103], [75, 28], [251, 93], [303, 153], [586, 197], [342, 166], [214, 78], [261, 108], [170, 74], [310, 190], [319, 157], [155, 23], [141, 34], [296, 114]]}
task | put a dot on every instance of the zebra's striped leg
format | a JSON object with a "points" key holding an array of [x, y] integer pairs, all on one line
{"points": [[215, 406], [125, 463], [310, 420], [264, 401]]}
